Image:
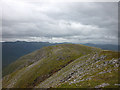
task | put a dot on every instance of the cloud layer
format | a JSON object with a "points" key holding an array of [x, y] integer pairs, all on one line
{"points": [[75, 22]]}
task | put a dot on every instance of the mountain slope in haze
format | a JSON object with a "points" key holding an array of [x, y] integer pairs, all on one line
{"points": [[11, 51], [63, 65], [104, 46]]}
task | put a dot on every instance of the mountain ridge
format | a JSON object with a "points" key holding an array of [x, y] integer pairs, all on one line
{"points": [[49, 61], [11, 51]]}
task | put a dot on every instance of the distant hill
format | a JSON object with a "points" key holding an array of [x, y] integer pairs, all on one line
{"points": [[104, 46], [64, 66], [13, 50]]}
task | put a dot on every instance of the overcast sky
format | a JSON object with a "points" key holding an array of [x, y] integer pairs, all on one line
{"points": [[75, 22]]}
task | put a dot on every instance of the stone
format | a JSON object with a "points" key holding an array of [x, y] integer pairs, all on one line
{"points": [[102, 85]]}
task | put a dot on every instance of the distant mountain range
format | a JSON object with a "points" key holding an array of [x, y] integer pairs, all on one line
{"points": [[11, 51]]}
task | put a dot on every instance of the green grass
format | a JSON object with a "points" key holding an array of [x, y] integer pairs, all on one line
{"points": [[47, 66], [50, 60], [98, 79]]}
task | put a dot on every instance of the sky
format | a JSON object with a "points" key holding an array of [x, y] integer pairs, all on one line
{"points": [[75, 22]]}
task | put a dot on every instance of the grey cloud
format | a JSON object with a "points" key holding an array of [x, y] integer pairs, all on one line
{"points": [[60, 22]]}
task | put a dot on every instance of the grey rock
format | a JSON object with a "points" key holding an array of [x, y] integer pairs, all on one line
{"points": [[102, 85]]}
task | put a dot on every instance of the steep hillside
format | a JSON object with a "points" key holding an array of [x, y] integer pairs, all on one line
{"points": [[96, 70], [63, 65]]}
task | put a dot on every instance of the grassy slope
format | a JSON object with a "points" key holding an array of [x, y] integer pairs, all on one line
{"points": [[32, 69], [95, 70]]}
